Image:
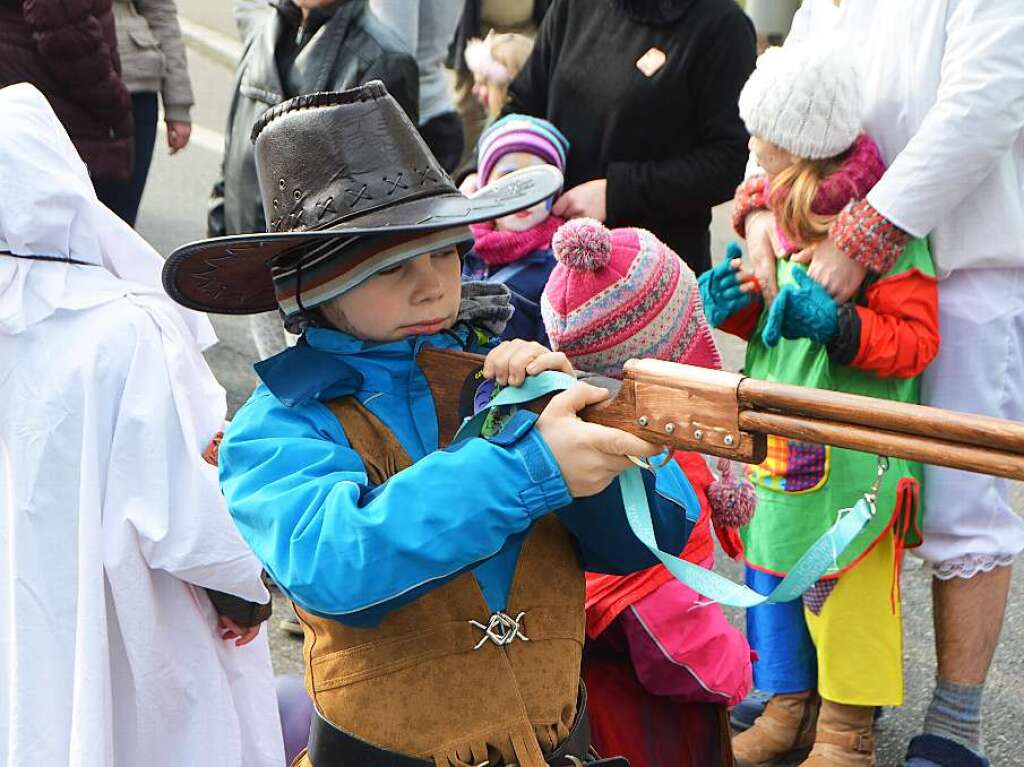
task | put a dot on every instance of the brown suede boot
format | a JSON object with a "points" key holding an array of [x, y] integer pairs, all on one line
{"points": [[784, 731], [845, 737]]}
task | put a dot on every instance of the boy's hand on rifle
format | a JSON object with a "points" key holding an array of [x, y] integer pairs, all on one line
{"points": [[727, 288], [590, 456], [511, 361]]}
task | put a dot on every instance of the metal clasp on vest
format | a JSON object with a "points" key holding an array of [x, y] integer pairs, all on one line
{"points": [[502, 629]]}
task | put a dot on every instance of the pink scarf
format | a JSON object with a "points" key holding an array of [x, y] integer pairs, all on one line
{"points": [[852, 181], [499, 248]]}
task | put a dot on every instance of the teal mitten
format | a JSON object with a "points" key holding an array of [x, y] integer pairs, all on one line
{"points": [[720, 289], [804, 310]]}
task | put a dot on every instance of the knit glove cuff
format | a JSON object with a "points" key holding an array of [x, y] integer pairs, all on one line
{"points": [[844, 346], [751, 195], [864, 235], [241, 611]]}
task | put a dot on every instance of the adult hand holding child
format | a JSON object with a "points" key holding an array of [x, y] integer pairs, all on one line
{"points": [[586, 200], [763, 250], [839, 274]]}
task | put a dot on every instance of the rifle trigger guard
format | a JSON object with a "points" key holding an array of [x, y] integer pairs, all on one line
{"points": [[645, 463]]}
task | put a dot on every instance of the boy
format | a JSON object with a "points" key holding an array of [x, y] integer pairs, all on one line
{"points": [[442, 602]]}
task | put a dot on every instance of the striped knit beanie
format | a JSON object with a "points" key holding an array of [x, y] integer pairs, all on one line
{"points": [[622, 294], [520, 133]]}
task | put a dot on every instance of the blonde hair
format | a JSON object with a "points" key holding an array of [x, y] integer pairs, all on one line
{"points": [[792, 196], [495, 61]]}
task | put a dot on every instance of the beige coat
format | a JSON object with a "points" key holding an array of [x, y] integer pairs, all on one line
{"points": [[153, 53]]}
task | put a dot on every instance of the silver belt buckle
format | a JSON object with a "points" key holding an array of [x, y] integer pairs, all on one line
{"points": [[502, 629]]}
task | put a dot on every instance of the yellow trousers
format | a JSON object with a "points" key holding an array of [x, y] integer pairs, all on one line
{"points": [[858, 635]]}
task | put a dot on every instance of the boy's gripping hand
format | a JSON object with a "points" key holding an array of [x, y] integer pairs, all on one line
{"points": [[511, 361], [589, 455], [726, 288], [803, 310]]}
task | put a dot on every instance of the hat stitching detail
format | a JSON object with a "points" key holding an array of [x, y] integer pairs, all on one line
{"points": [[371, 90]]}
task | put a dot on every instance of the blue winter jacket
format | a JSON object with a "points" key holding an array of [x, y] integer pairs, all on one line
{"points": [[348, 550]]}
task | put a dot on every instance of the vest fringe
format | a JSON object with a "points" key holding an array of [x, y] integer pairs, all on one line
{"points": [[463, 755], [479, 751], [527, 749]]}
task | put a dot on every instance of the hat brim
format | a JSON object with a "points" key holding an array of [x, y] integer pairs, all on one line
{"points": [[231, 275]]}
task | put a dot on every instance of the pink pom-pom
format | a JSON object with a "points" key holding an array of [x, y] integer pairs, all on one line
{"points": [[732, 500], [583, 243]]}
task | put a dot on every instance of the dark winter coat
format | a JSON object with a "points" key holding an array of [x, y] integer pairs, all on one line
{"points": [[527, 278], [670, 142], [68, 50], [332, 52]]}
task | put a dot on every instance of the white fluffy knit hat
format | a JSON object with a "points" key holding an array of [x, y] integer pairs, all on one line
{"points": [[804, 98]]}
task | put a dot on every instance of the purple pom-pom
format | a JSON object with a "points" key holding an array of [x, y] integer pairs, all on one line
{"points": [[732, 500], [583, 243]]}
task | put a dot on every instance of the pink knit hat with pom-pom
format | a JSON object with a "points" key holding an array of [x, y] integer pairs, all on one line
{"points": [[623, 294]]}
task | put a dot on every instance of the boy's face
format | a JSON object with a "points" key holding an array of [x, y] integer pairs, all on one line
{"points": [[416, 298], [526, 219]]}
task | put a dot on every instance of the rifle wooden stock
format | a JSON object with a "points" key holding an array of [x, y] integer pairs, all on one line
{"points": [[882, 414], [726, 414]]}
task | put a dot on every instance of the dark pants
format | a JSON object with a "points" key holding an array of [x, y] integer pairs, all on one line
{"points": [[123, 197], [443, 135]]}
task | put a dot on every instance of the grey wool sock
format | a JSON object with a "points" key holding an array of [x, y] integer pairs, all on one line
{"points": [[955, 713]]}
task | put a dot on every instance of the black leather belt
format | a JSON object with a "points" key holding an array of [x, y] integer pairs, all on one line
{"points": [[330, 746]]}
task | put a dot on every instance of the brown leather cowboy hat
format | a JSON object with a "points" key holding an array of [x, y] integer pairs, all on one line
{"points": [[336, 171]]}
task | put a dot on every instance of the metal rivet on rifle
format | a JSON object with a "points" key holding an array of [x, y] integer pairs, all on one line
{"points": [[642, 420], [729, 440], [698, 435], [670, 427]]}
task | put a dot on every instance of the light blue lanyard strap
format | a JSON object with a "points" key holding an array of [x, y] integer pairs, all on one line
{"points": [[815, 563], [809, 568], [534, 387]]}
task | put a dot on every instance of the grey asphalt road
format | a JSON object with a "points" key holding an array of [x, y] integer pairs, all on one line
{"points": [[173, 212]]}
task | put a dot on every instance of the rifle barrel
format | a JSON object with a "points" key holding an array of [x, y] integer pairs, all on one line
{"points": [[868, 439], [975, 431]]}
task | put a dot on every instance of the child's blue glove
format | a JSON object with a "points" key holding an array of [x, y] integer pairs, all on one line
{"points": [[804, 310], [720, 289]]}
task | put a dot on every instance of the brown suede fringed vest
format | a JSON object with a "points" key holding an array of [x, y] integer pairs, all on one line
{"points": [[442, 677]]}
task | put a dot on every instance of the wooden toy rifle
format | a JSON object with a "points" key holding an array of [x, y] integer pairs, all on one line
{"points": [[727, 414]]}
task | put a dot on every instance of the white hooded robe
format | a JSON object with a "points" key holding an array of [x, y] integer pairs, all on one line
{"points": [[110, 520]]}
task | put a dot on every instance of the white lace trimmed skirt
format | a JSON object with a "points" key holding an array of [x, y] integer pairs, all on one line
{"points": [[969, 525]]}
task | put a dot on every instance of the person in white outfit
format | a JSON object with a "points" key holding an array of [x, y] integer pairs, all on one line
{"points": [[115, 538], [943, 84]]}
